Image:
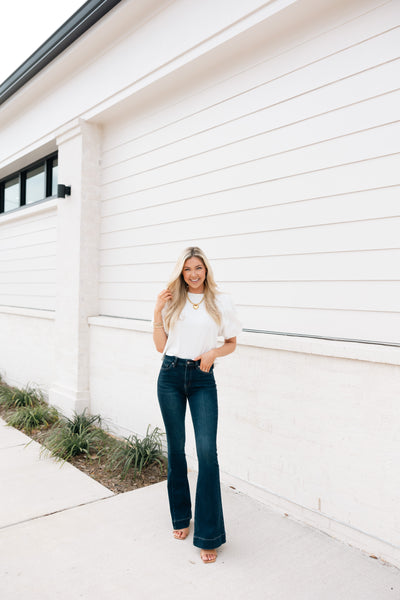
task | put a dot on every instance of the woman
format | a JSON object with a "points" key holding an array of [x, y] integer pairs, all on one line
{"points": [[188, 317]]}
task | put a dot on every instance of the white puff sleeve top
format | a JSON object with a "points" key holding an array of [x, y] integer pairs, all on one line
{"points": [[196, 332]]}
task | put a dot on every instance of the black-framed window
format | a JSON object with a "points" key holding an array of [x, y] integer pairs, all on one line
{"points": [[34, 183]]}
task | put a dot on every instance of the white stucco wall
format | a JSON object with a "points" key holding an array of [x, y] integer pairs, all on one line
{"points": [[267, 134]]}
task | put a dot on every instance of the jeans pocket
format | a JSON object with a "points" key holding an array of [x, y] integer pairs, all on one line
{"points": [[167, 363], [205, 372]]}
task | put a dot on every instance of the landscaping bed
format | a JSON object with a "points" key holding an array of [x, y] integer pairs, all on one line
{"points": [[121, 465], [97, 469]]}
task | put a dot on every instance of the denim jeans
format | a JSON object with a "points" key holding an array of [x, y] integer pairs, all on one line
{"points": [[182, 381]]}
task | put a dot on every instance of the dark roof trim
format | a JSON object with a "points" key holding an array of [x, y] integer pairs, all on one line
{"points": [[86, 16]]}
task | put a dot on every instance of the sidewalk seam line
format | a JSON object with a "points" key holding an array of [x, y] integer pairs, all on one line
{"points": [[55, 512]]}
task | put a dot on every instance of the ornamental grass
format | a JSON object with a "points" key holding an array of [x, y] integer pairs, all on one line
{"points": [[134, 453]]}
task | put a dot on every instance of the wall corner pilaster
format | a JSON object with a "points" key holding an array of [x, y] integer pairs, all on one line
{"points": [[78, 226]]}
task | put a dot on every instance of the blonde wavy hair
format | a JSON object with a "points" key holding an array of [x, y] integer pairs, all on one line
{"points": [[178, 288]]}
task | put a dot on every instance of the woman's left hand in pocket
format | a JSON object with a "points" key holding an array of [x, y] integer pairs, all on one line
{"points": [[207, 360]]}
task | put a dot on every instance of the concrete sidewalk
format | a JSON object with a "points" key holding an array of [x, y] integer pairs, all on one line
{"points": [[64, 536]]}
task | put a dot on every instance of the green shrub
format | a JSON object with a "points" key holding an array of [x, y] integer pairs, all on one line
{"points": [[15, 397], [28, 418], [136, 453], [79, 435], [6, 393]]}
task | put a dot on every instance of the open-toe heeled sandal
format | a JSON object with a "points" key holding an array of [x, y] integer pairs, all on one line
{"points": [[181, 534], [208, 556]]}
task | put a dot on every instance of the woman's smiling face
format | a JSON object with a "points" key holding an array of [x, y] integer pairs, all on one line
{"points": [[194, 274]]}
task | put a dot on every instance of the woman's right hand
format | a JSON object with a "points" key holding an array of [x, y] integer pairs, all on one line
{"points": [[162, 299]]}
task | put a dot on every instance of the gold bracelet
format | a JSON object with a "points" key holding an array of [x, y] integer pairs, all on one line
{"points": [[158, 326], [158, 323]]}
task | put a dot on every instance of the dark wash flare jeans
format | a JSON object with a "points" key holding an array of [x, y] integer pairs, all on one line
{"points": [[181, 380]]}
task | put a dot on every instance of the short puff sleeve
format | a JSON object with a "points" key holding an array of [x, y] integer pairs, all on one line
{"points": [[230, 325]]}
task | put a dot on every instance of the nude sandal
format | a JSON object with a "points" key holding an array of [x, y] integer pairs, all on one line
{"points": [[179, 533], [205, 553]]}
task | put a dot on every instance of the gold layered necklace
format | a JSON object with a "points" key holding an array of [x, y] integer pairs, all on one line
{"points": [[195, 306]]}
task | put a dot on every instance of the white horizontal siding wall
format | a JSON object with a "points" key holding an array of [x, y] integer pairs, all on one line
{"points": [[27, 258], [287, 174]]}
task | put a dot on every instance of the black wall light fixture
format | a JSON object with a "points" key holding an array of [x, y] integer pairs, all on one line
{"points": [[63, 190]]}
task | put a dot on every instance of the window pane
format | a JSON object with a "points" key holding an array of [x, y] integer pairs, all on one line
{"points": [[35, 185], [11, 194], [54, 177]]}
